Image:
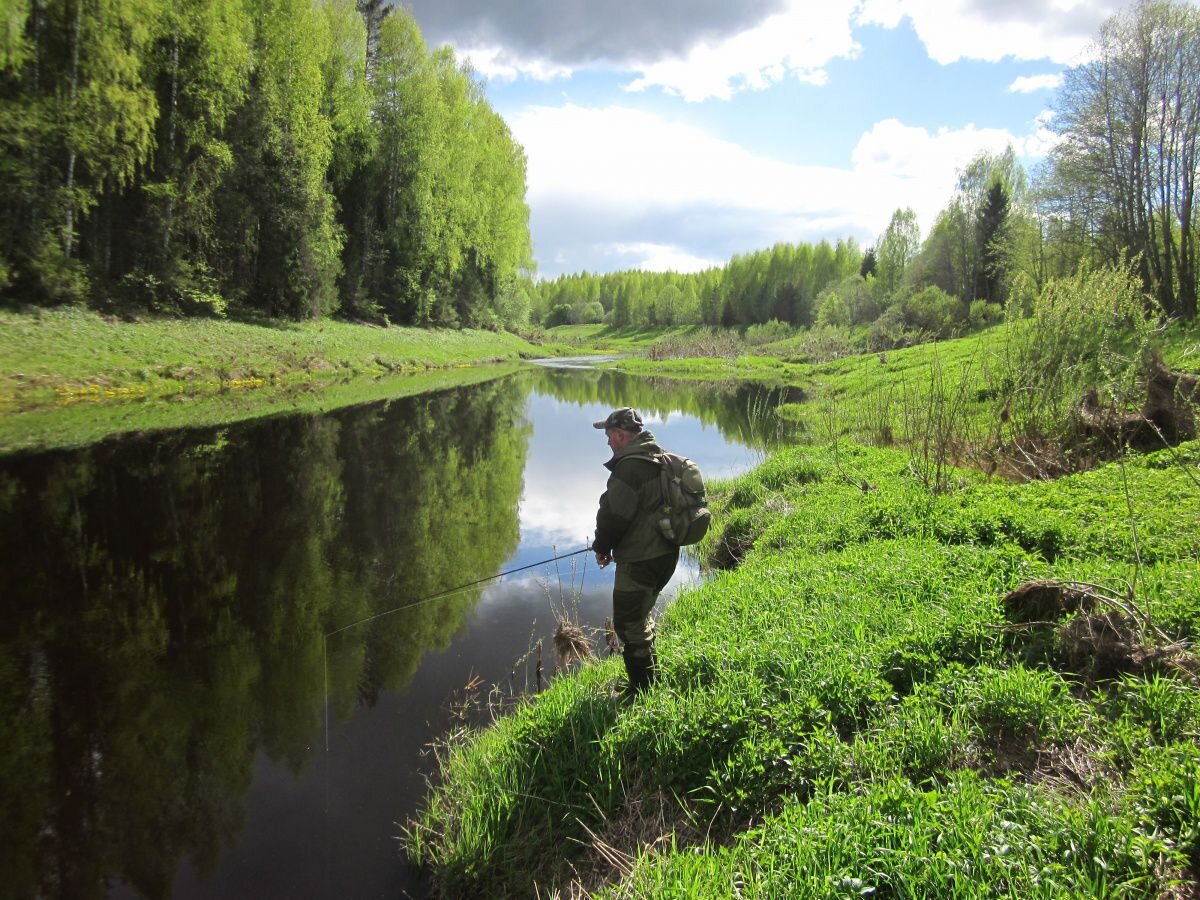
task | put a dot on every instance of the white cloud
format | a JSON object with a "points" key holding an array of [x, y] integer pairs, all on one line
{"points": [[802, 39], [615, 174], [653, 257], [499, 64], [800, 42], [1028, 84], [1058, 30]]}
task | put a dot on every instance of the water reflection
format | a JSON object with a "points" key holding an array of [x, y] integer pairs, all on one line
{"points": [[163, 668]]}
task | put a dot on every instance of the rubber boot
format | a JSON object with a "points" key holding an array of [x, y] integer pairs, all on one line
{"points": [[651, 668], [638, 670]]}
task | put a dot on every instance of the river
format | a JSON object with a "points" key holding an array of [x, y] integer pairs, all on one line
{"points": [[190, 711]]}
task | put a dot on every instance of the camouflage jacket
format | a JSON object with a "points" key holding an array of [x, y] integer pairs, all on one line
{"points": [[626, 524]]}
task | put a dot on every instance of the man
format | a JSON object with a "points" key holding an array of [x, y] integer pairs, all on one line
{"points": [[627, 532]]}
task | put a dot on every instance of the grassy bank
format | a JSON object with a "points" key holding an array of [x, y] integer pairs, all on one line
{"points": [[65, 356], [854, 708], [69, 377], [78, 424]]}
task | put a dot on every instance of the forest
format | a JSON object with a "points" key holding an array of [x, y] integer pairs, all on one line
{"points": [[1118, 186], [287, 157], [297, 159]]}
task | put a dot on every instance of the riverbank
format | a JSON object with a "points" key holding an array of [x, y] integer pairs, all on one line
{"points": [[68, 377], [52, 357], [867, 703]]}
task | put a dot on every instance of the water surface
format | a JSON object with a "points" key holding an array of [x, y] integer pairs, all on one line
{"points": [[177, 723]]}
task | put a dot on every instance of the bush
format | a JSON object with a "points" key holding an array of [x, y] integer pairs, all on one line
{"points": [[825, 343], [711, 343], [888, 332], [769, 332], [1088, 332], [933, 310], [983, 314]]}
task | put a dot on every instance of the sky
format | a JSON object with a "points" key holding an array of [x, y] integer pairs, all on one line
{"points": [[673, 134]]}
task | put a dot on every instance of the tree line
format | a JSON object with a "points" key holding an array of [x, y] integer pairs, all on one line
{"points": [[1118, 187], [289, 156]]}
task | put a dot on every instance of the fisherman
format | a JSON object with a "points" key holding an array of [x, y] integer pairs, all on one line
{"points": [[627, 532]]}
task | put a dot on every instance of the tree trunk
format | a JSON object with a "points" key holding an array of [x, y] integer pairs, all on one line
{"points": [[69, 226]]}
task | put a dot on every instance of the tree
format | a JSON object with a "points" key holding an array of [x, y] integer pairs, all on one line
{"points": [[992, 235], [1123, 177], [900, 242], [870, 264]]}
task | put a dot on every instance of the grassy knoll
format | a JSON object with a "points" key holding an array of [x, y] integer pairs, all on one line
{"points": [[63, 356], [69, 377], [853, 708]]}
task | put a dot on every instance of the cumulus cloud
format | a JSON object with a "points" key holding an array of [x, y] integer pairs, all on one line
{"points": [[608, 183], [700, 49], [655, 257], [990, 30], [1029, 84], [796, 42]]}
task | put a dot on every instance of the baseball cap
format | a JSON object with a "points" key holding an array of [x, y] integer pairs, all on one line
{"points": [[626, 418]]}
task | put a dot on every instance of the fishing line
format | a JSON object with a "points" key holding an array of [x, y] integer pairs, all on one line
{"points": [[438, 596], [455, 590]]}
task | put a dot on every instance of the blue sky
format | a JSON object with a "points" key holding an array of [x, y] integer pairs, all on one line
{"points": [[673, 134]]}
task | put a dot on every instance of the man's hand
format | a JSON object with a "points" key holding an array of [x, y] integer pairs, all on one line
{"points": [[603, 559]]}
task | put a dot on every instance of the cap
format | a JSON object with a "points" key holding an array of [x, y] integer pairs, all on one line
{"points": [[626, 418]]}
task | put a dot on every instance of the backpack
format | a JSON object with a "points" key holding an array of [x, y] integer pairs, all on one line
{"points": [[684, 516]]}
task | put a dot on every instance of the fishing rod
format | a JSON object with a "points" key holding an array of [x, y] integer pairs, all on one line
{"points": [[461, 587], [411, 604]]}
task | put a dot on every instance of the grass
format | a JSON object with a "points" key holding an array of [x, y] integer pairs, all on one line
{"points": [[80, 423], [849, 710], [62, 356], [69, 377]]}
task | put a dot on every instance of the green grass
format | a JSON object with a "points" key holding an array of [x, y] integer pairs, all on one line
{"points": [[69, 377], [80, 423], [849, 711], [601, 339], [64, 356]]}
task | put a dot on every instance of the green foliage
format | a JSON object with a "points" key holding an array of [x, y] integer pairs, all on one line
{"points": [[1089, 332], [768, 332], [779, 284], [844, 712], [163, 154], [933, 310]]}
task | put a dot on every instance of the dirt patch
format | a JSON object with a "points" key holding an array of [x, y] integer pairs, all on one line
{"points": [[1167, 416], [1105, 633], [1046, 599], [1106, 644]]}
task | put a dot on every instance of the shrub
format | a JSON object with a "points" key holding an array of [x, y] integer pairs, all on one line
{"points": [[1089, 332], [983, 314], [933, 310], [714, 343], [768, 332]]}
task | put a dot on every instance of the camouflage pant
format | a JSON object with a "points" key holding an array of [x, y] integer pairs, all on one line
{"points": [[637, 587]]}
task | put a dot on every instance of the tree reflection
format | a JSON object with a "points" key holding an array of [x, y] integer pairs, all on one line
{"points": [[743, 411], [166, 601]]}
